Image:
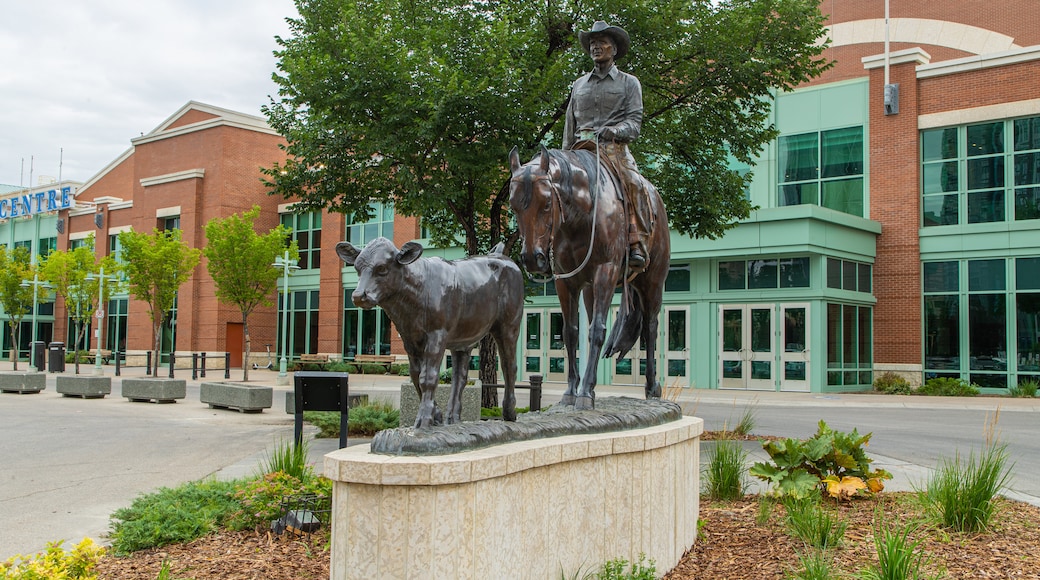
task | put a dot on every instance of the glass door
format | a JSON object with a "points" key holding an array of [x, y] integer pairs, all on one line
{"points": [[794, 356], [676, 343], [746, 347], [556, 353]]}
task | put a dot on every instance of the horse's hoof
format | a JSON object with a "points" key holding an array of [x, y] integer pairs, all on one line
{"points": [[654, 392], [509, 414], [584, 402], [567, 400]]}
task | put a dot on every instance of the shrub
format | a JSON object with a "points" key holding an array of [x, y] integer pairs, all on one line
{"points": [[399, 369], [365, 419], [947, 387], [619, 569], [813, 565], [1025, 388], [259, 501], [340, 367], [173, 515], [491, 412], [55, 563], [725, 476], [747, 421], [961, 492], [892, 384], [814, 526], [830, 461]]}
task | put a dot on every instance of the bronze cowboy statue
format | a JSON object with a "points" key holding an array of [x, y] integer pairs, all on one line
{"points": [[605, 114]]}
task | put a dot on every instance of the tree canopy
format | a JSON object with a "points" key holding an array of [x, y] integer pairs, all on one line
{"points": [[418, 102], [239, 260], [156, 266]]}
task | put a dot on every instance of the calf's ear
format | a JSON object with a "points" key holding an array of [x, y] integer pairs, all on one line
{"points": [[409, 253], [347, 252]]}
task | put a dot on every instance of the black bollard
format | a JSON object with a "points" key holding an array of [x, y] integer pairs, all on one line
{"points": [[227, 365], [203, 372], [173, 358], [536, 392], [194, 366], [148, 364], [118, 355]]}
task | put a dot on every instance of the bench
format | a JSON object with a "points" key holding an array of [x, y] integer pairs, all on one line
{"points": [[315, 359], [385, 360], [106, 355]]}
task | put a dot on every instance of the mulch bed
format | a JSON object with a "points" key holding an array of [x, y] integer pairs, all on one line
{"points": [[732, 546]]}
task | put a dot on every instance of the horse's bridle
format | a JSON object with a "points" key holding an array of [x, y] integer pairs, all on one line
{"points": [[555, 201]]}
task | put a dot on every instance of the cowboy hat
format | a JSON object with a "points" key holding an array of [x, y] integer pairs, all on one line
{"points": [[616, 33]]}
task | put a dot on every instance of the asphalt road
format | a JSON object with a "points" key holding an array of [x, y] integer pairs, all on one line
{"points": [[67, 463]]}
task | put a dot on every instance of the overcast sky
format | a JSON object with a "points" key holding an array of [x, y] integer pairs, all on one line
{"points": [[86, 76]]}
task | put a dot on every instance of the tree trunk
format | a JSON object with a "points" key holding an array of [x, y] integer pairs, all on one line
{"points": [[245, 358], [157, 346], [13, 354], [488, 372]]}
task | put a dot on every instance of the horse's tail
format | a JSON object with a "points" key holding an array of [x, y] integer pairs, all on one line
{"points": [[627, 328]]}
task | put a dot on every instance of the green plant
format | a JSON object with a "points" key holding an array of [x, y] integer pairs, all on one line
{"points": [[747, 421], [1025, 388], [813, 565], [289, 458], [816, 527], [373, 369], [961, 491], [260, 500], [892, 384], [898, 555], [947, 387], [619, 569], [364, 419], [399, 369], [54, 563], [830, 461], [725, 476], [339, 367], [765, 509], [173, 515]]}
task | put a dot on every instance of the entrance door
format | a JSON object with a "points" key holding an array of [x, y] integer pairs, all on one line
{"points": [[544, 353], [234, 338], [746, 351], [676, 346], [630, 370], [794, 356]]}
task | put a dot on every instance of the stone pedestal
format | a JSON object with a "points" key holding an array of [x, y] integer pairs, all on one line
{"points": [[470, 402], [236, 396], [22, 382], [154, 390], [547, 508], [87, 387]]}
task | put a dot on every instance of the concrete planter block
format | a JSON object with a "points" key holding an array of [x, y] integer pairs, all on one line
{"points": [[470, 402], [154, 390], [352, 401], [239, 397], [87, 387], [22, 382]]}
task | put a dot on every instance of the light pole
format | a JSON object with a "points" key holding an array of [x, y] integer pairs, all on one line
{"points": [[36, 284], [286, 265], [102, 278]]}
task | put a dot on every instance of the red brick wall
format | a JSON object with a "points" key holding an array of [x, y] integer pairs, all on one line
{"points": [[895, 202]]}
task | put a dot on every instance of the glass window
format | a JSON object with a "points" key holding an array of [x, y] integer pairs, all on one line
{"points": [[986, 206], [678, 279], [731, 275], [942, 332], [1027, 273], [986, 139], [941, 276], [1027, 324], [849, 275], [849, 345], [823, 169], [939, 144], [762, 273], [864, 278], [1027, 203], [833, 273], [985, 275], [987, 332], [380, 225], [306, 230], [794, 272]]}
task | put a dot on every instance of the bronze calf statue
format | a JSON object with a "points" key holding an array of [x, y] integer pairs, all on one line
{"points": [[437, 305]]}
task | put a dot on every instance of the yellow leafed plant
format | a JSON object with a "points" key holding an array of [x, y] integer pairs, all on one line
{"points": [[844, 488]]}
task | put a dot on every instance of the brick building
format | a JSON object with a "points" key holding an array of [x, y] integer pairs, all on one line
{"points": [[892, 235]]}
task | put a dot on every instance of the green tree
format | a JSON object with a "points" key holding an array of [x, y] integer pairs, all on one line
{"points": [[418, 102], [67, 273], [156, 266], [240, 261], [17, 300]]}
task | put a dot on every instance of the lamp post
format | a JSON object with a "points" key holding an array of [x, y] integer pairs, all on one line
{"points": [[286, 265], [36, 284], [102, 278]]}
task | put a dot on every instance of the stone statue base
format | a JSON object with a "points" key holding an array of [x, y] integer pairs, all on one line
{"points": [[546, 508]]}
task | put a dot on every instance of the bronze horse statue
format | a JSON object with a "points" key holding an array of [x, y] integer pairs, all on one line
{"points": [[571, 216]]}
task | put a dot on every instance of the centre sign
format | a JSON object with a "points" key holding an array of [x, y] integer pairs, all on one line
{"points": [[34, 203]]}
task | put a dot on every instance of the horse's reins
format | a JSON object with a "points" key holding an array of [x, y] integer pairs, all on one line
{"points": [[556, 201]]}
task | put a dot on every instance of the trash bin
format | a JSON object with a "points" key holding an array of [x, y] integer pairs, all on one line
{"points": [[56, 357], [37, 354]]}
